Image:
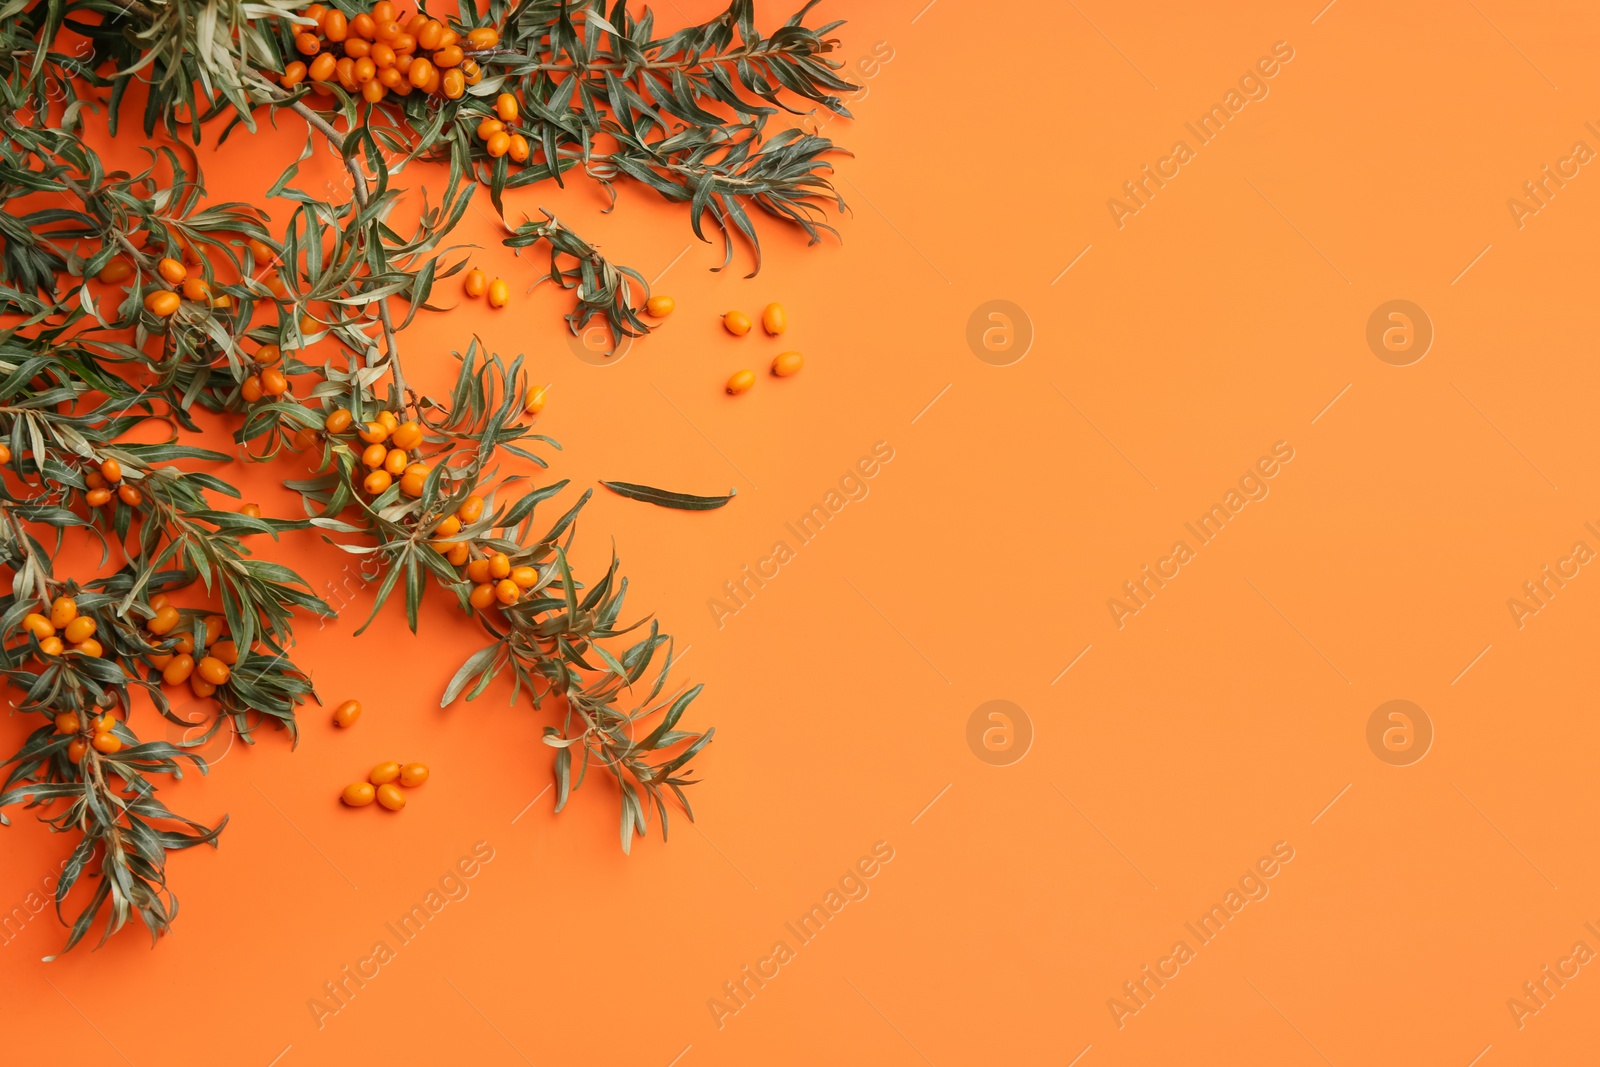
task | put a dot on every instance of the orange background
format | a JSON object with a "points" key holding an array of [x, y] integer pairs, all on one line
{"points": [[1221, 719]]}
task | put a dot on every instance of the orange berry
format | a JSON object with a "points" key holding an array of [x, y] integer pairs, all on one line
{"points": [[525, 577], [38, 625], [473, 72], [519, 150], [306, 44], [429, 35], [196, 289], [347, 713], [389, 796], [388, 420], [489, 127], [787, 363], [80, 629], [184, 643], [413, 775], [736, 323], [345, 71], [393, 80], [407, 435], [534, 403], [448, 38], [395, 462], [251, 510], [260, 250], [377, 483], [321, 68], [499, 291], [358, 48], [384, 773], [471, 510], [364, 69], [177, 672], [159, 601], [499, 565], [363, 25], [90, 647], [382, 55], [200, 686], [226, 651], [335, 26], [372, 92], [403, 43], [67, 723], [498, 144], [51, 646], [454, 84], [774, 319], [162, 303], [505, 105], [383, 11], [660, 306], [483, 37], [106, 744], [482, 596], [373, 456], [103, 723], [506, 591], [457, 555], [420, 73], [373, 433], [118, 270], [111, 470], [338, 420], [130, 496], [478, 571], [251, 389], [450, 56], [213, 670], [358, 794], [412, 484], [62, 611], [741, 381], [166, 617], [77, 748]]}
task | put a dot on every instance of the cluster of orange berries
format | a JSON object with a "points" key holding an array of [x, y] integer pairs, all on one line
{"points": [[178, 665], [380, 785], [478, 283], [387, 456], [107, 479], [164, 303], [774, 320], [499, 135], [102, 734], [494, 580], [374, 54], [269, 379], [62, 628]]}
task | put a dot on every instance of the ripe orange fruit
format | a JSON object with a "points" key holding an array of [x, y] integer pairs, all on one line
{"points": [[358, 794], [660, 306], [79, 629], [420, 73], [483, 37], [251, 510], [51, 646], [525, 577], [213, 670], [373, 456], [498, 145], [347, 713], [458, 554], [62, 611], [774, 319], [489, 127], [413, 775], [476, 281], [67, 723], [429, 34], [273, 382], [268, 355], [118, 270], [478, 571], [481, 596], [453, 83], [534, 403], [389, 796], [499, 565], [338, 420], [111, 470], [736, 323], [38, 625], [505, 105], [506, 591], [90, 647], [250, 389], [788, 363], [171, 271], [373, 432], [5, 453], [200, 686], [162, 303], [77, 748], [499, 291], [196, 289], [226, 651], [519, 149], [448, 527], [377, 483], [321, 68], [306, 44], [384, 773], [177, 672], [471, 510], [407, 435], [130, 496], [411, 484], [741, 381], [335, 26], [395, 462], [106, 744], [165, 619]]}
